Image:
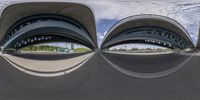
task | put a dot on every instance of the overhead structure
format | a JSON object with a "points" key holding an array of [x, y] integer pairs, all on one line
{"points": [[149, 29], [31, 23], [198, 40]]}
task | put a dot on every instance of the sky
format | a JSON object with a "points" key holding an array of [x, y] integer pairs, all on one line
{"points": [[109, 12], [186, 12]]}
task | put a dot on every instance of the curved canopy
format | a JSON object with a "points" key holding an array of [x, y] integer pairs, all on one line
{"points": [[198, 40], [78, 12], [149, 20], [46, 25]]}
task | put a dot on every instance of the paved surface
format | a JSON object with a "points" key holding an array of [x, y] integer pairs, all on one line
{"points": [[47, 65], [49, 57], [146, 63], [97, 80]]}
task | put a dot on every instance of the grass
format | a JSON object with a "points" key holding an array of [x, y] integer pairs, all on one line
{"points": [[76, 50]]}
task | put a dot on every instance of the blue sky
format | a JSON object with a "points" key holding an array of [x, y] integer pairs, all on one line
{"points": [[108, 12], [103, 25]]}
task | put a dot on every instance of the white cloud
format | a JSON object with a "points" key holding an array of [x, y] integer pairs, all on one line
{"points": [[119, 10], [186, 12]]}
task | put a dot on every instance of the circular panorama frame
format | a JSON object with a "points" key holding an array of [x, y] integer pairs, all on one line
{"points": [[146, 20], [13, 14]]}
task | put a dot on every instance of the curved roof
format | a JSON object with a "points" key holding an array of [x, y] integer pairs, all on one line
{"points": [[147, 20], [198, 40], [81, 13]]}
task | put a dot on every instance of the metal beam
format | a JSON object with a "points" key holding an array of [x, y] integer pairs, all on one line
{"points": [[79, 12], [159, 35], [40, 39], [48, 26], [178, 35]]}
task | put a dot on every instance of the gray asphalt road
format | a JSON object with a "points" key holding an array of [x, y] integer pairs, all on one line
{"points": [[147, 63], [97, 80], [48, 56]]}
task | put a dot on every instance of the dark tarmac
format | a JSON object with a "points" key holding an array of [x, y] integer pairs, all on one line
{"points": [[98, 80]]}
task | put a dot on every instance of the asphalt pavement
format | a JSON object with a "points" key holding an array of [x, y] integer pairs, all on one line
{"points": [[98, 80], [147, 66]]}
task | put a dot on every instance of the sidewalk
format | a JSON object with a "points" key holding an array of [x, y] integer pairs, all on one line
{"points": [[39, 67]]}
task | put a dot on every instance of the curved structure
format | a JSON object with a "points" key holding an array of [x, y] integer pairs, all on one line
{"points": [[31, 23], [198, 40], [153, 29]]}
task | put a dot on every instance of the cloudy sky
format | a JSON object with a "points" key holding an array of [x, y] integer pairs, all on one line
{"points": [[108, 12], [185, 12]]}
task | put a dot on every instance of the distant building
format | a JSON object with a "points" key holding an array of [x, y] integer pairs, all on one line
{"points": [[64, 50]]}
